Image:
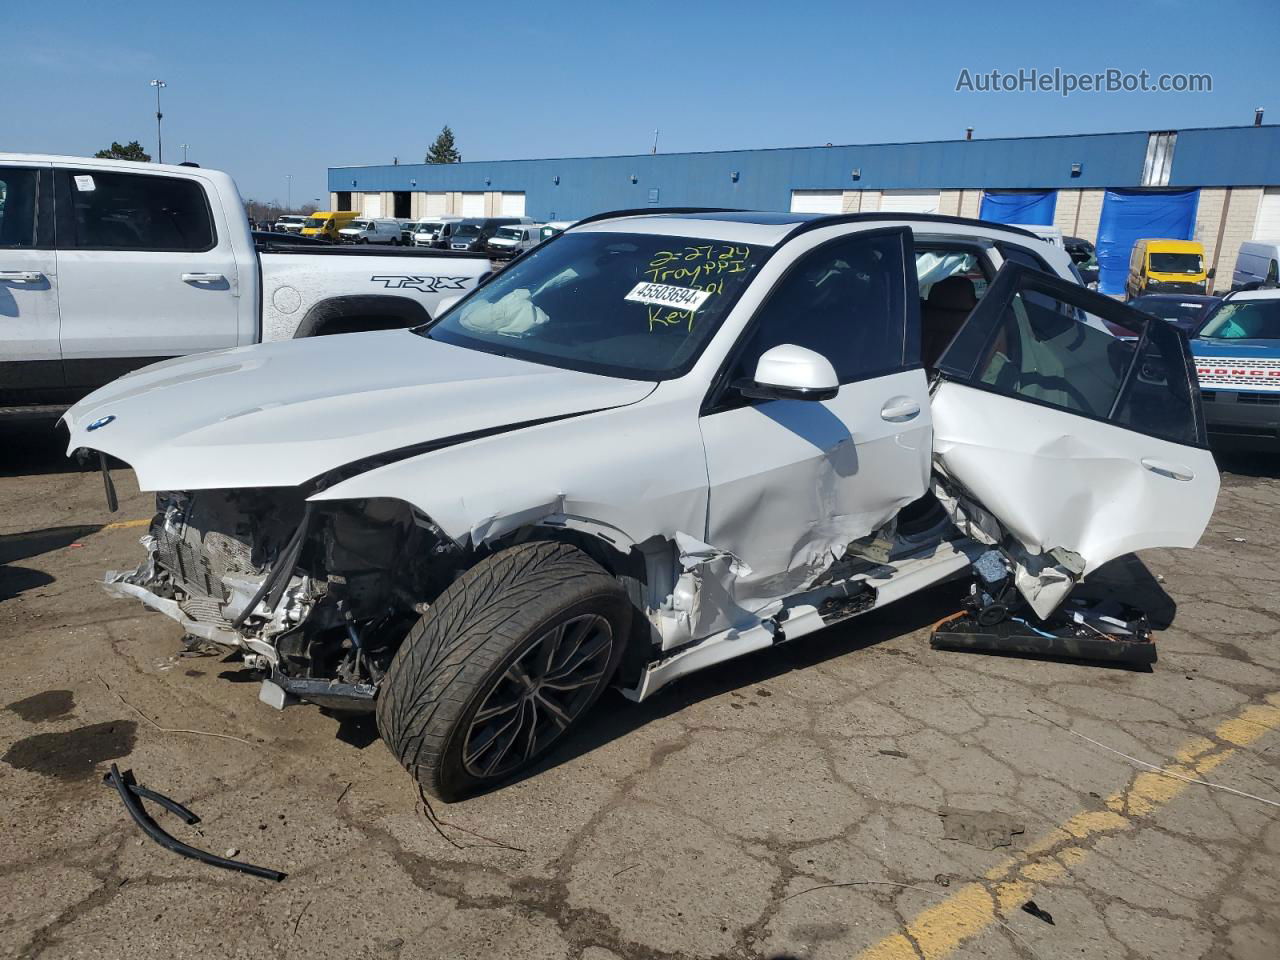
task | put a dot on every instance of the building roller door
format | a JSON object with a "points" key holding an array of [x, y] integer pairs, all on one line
{"points": [[909, 201], [512, 205], [371, 205], [473, 204], [816, 201], [1267, 228], [437, 204]]}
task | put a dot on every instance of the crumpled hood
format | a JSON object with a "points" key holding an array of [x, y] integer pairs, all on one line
{"points": [[278, 414]]}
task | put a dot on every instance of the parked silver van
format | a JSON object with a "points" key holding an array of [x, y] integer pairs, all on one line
{"points": [[434, 231], [1257, 264]]}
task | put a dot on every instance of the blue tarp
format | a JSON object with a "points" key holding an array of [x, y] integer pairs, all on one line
{"points": [[1130, 215], [1019, 206]]}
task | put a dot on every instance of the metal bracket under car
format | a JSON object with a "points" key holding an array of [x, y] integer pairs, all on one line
{"points": [[280, 690]]}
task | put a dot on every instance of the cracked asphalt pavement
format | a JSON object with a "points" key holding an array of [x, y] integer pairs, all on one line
{"points": [[784, 805]]}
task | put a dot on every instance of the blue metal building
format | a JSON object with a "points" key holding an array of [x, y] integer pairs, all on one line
{"points": [[1230, 180]]}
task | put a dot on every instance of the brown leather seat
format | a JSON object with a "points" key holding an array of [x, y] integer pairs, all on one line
{"points": [[950, 300]]}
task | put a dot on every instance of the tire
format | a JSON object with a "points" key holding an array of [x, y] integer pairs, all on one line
{"points": [[481, 646]]}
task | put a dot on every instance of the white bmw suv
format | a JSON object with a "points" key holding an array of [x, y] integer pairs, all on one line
{"points": [[657, 442]]}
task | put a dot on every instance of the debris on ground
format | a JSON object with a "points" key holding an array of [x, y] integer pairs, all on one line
{"points": [[131, 793], [1032, 908], [995, 619], [979, 828]]}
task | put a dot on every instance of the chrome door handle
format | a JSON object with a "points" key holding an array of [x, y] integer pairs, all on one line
{"points": [[21, 276], [1163, 468], [202, 277], [899, 410]]}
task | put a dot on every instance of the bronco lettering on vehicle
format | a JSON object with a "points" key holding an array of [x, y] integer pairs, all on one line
{"points": [[1223, 372], [425, 284]]}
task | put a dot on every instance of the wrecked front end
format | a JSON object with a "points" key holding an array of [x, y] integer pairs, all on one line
{"points": [[315, 596]]}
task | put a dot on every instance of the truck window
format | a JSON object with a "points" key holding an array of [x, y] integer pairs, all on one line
{"points": [[131, 211], [17, 207]]}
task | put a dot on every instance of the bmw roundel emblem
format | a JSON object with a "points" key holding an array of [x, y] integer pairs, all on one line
{"points": [[101, 422]]}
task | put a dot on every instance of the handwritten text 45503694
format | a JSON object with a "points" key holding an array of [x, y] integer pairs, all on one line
{"points": [[693, 268]]}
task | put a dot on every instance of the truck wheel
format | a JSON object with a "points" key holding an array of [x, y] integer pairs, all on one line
{"points": [[503, 665]]}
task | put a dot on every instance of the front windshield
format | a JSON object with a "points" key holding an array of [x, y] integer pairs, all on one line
{"points": [[627, 305], [507, 233], [428, 227], [1244, 320], [315, 223], [1175, 263], [467, 230], [359, 225]]}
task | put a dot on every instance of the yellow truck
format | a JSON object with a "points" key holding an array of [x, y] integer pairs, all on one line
{"points": [[1167, 266], [325, 224]]}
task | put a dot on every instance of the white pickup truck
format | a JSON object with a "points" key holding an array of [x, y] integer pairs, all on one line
{"points": [[108, 265]]}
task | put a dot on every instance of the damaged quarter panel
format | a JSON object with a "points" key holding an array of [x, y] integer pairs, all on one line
{"points": [[1058, 481], [639, 470]]}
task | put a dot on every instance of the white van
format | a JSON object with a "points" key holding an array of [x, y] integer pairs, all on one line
{"points": [[1257, 263], [434, 231], [370, 231], [514, 239]]}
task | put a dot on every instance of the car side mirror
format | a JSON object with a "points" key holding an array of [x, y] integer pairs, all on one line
{"points": [[1211, 272], [790, 372]]}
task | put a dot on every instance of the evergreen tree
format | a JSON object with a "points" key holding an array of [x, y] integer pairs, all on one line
{"points": [[443, 150]]}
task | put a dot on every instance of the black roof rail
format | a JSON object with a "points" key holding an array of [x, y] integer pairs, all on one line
{"points": [[649, 211], [838, 218]]}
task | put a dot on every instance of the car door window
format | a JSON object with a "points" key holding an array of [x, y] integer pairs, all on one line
{"points": [[845, 300], [1041, 339], [132, 211], [17, 208]]}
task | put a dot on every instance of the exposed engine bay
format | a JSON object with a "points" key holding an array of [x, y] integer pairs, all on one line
{"points": [[317, 596]]}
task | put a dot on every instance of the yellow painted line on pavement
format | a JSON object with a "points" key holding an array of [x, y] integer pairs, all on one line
{"points": [[127, 524], [939, 930]]}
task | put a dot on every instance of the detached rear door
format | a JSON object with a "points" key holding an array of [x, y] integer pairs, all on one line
{"points": [[146, 271], [1070, 425]]}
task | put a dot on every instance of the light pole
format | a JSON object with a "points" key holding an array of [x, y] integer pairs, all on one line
{"points": [[159, 141], [288, 179], [184, 147]]}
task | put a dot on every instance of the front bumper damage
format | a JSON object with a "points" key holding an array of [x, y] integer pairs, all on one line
{"points": [[314, 599]]}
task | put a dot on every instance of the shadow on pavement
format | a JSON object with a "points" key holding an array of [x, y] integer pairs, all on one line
{"points": [[19, 546], [37, 447], [18, 580], [1246, 458], [615, 716], [1126, 578]]}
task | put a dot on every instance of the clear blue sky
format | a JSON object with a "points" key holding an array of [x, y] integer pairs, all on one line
{"points": [[270, 88]]}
